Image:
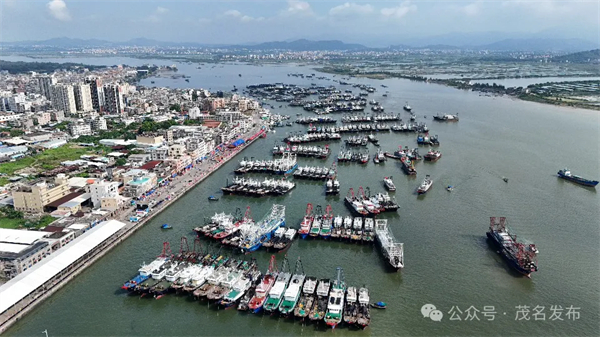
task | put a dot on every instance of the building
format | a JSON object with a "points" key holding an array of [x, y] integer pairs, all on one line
{"points": [[80, 129], [113, 99], [45, 84], [96, 93], [57, 116], [42, 118], [138, 182], [102, 189], [149, 140], [83, 97], [12, 152], [194, 113], [15, 102], [158, 153], [31, 286], [177, 150], [99, 124], [33, 198], [63, 98], [20, 250]]}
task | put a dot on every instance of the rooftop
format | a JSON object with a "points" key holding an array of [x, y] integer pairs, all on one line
{"points": [[20, 236], [23, 284]]}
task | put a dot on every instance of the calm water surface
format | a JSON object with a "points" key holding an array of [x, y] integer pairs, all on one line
{"points": [[448, 262]]}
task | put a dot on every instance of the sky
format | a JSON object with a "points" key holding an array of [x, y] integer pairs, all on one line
{"points": [[372, 23]]}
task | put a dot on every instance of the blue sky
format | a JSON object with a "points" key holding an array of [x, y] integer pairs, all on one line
{"points": [[373, 23]]}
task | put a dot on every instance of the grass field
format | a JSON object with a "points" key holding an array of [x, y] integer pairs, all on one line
{"points": [[18, 223], [46, 160]]}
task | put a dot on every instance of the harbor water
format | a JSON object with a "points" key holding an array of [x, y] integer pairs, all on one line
{"points": [[448, 262]]}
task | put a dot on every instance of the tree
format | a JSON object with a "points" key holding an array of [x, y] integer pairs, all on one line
{"points": [[175, 107], [120, 162], [16, 132]]}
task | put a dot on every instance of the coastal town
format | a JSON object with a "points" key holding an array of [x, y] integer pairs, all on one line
{"points": [[84, 151]]}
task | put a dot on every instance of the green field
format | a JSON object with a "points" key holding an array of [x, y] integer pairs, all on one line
{"points": [[46, 160], [20, 223]]}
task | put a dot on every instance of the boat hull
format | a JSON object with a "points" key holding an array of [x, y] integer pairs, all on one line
{"points": [[579, 180], [511, 262]]}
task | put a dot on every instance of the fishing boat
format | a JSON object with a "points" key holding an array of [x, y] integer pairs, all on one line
{"points": [[264, 229], [392, 250], [335, 305], [566, 174], [262, 290], [276, 293], [355, 203], [286, 240], [293, 291], [316, 226], [425, 185], [379, 305], [213, 198], [307, 221], [389, 184], [351, 306], [364, 312], [407, 166], [449, 188], [521, 256], [166, 226], [407, 107], [320, 306], [326, 223], [144, 273], [307, 299], [239, 289], [433, 155]]}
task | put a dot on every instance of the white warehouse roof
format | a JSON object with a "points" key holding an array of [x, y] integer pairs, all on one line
{"points": [[23, 284], [21, 236]]}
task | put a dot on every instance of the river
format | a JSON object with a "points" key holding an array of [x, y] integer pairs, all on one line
{"points": [[448, 262]]}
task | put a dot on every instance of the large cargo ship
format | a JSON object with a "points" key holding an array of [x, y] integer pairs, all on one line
{"points": [[521, 256], [566, 174]]}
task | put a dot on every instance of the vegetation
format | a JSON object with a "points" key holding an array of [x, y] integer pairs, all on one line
{"points": [[151, 126], [3, 181], [175, 107], [46, 160], [120, 162], [21, 67], [589, 56], [9, 218]]}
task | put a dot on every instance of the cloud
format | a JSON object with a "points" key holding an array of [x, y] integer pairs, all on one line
{"points": [[398, 11], [157, 15], [161, 10], [348, 9], [58, 9], [298, 7], [472, 9], [233, 12]]}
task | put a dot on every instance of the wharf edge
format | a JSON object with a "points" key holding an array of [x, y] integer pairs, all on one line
{"points": [[29, 302]]}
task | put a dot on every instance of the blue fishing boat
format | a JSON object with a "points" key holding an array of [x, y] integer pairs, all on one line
{"points": [[263, 230], [131, 284], [213, 198], [379, 305], [166, 226], [566, 174]]}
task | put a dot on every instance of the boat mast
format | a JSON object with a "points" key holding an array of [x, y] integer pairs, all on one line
{"points": [[299, 266]]}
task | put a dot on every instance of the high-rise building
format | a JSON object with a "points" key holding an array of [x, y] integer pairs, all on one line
{"points": [[113, 99], [97, 93], [63, 98], [83, 97], [45, 83]]}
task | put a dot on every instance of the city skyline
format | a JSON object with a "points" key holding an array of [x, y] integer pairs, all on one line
{"points": [[372, 23]]}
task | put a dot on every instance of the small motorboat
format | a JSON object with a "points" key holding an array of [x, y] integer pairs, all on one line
{"points": [[449, 188], [505, 179], [213, 198], [379, 305], [166, 226]]}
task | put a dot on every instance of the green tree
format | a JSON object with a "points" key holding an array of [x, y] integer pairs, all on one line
{"points": [[16, 132], [120, 162], [175, 107]]}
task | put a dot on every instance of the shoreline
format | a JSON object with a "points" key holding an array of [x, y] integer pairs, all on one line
{"points": [[31, 301]]}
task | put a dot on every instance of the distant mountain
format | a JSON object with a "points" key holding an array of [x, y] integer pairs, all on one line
{"points": [[303, 44], [541, 44], [589, 56]]}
